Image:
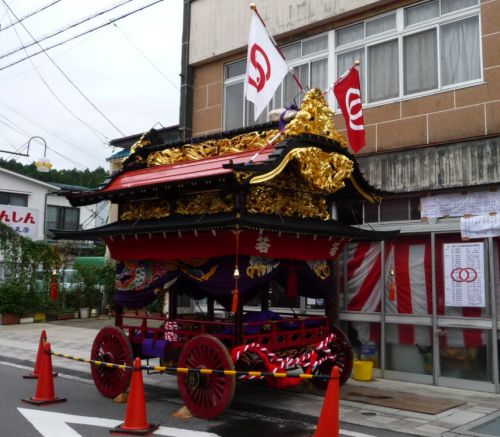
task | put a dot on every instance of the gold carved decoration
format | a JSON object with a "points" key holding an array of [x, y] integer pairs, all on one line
{"points": [[205, 203], [259, 267], [320, 268], [145, 209], [320, 170], [284, 196], [315, 117], [212, 148]]}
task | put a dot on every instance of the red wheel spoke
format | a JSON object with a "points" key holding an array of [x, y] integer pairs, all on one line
{"points": [[209, 395]]}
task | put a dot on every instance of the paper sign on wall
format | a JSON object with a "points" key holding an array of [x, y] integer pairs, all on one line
{"points": [[480, 226], [464, 281]]}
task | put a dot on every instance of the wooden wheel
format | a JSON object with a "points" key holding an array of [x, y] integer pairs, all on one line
{"points": [[111, 345], [342, 348], [206, 396]]}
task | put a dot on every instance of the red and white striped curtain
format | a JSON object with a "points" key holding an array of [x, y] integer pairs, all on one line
{"points": [[408, 290]]}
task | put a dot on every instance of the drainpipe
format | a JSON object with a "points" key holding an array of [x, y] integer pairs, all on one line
{"points": [[187, 79]]}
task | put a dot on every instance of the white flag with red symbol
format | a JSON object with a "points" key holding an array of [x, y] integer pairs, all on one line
{"points": [[266, 68], [347, 90]]}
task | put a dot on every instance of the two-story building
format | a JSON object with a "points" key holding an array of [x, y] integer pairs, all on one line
{"points": [[425, 307], [33, 208]]}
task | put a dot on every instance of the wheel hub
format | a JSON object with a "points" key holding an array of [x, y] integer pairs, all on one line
{"points": [[193, 380]]}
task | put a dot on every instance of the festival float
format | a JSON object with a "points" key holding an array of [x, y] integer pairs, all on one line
{"points": [[225, 220]]}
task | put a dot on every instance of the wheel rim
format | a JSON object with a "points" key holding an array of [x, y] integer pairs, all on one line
{"points": [[111, 345], [206, 396], [342, 349]]}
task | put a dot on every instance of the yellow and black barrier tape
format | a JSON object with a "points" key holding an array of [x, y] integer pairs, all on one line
{"points": [[237, 373]]}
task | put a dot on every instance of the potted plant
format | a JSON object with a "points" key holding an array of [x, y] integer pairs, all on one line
{"points": [[12, 301]]}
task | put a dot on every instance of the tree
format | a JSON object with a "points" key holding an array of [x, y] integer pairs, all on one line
{"points": [[85, 178]]}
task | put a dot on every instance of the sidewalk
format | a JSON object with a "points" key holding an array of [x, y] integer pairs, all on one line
{"points": [[75, 337]]}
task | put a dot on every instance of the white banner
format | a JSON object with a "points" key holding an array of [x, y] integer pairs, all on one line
{"points": [[464, 281], [481, 226], [266, 68], [458, 205], [20, 218]]}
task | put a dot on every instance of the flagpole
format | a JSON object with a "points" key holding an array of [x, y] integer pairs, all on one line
{"points": [[253, 7]]}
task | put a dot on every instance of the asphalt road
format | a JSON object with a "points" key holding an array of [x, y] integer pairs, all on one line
{"points": [[88, 414]]}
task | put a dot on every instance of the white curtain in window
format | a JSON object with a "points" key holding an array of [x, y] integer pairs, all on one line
{"points": [[382, 24], [291, 52], [233, 105], [291, 91], [420, 62], [346, 61], [460, 60], [417, 14], [319, 74], [455, 5], [250, 118], [314, 45], [350, 34], [383, 75]]}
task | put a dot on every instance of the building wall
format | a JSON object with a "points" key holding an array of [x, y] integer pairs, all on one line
{"points": [[209, 39], [13, 183], [469, 112]]}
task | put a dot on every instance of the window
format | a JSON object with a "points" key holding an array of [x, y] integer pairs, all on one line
{"points": [[432, 45], [391, 210], [13, 199], [428, 47], [309, 59], [63, 218]]}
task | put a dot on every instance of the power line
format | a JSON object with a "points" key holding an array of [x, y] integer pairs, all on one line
{"points": [[41, 126], [75, 163], [10, 124], [63, 73], [94, 130], [5, 12], [146, 57], [80, 34], [64, 29], [41, 64], [31, 14]]}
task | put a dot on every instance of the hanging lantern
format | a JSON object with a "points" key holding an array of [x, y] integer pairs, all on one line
{"points": [[43, 165]]}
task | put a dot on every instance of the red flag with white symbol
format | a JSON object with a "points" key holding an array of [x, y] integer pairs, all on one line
{"points": [[347, 90], [266, 67]]}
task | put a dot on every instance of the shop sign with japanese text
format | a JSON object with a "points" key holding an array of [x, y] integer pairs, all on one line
{"points": [[23, 220]]}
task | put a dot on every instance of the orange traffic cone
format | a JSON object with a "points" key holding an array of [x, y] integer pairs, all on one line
{"points": [[36, 370], [328, 423], [45, 386], [136, 421]]}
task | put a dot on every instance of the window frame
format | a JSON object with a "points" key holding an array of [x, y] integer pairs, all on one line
{"points": [[25, 197], [323, 54], [61, 214], [399, 33]]}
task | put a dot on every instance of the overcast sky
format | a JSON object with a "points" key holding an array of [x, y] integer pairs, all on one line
{"points": [[107, 65]]}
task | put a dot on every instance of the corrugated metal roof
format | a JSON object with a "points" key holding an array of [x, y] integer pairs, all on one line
{"points": [[457, 165]]}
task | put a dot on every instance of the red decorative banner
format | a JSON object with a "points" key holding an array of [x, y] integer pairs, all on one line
{"points": [[209, 244]]}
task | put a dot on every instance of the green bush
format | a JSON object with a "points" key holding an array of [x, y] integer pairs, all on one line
{"points": [[13, 297], [95, 283]]}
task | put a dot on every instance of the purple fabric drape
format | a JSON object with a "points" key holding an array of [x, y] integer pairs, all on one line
{"points": [[137, 281]]}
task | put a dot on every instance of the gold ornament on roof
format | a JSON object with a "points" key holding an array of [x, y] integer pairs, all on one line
{"points": [[286, 195], [315, 117], [211, 148], [320, 170]]}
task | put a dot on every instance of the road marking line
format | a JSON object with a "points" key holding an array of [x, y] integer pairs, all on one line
{"points": [[51, 424], [354, 433]]}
